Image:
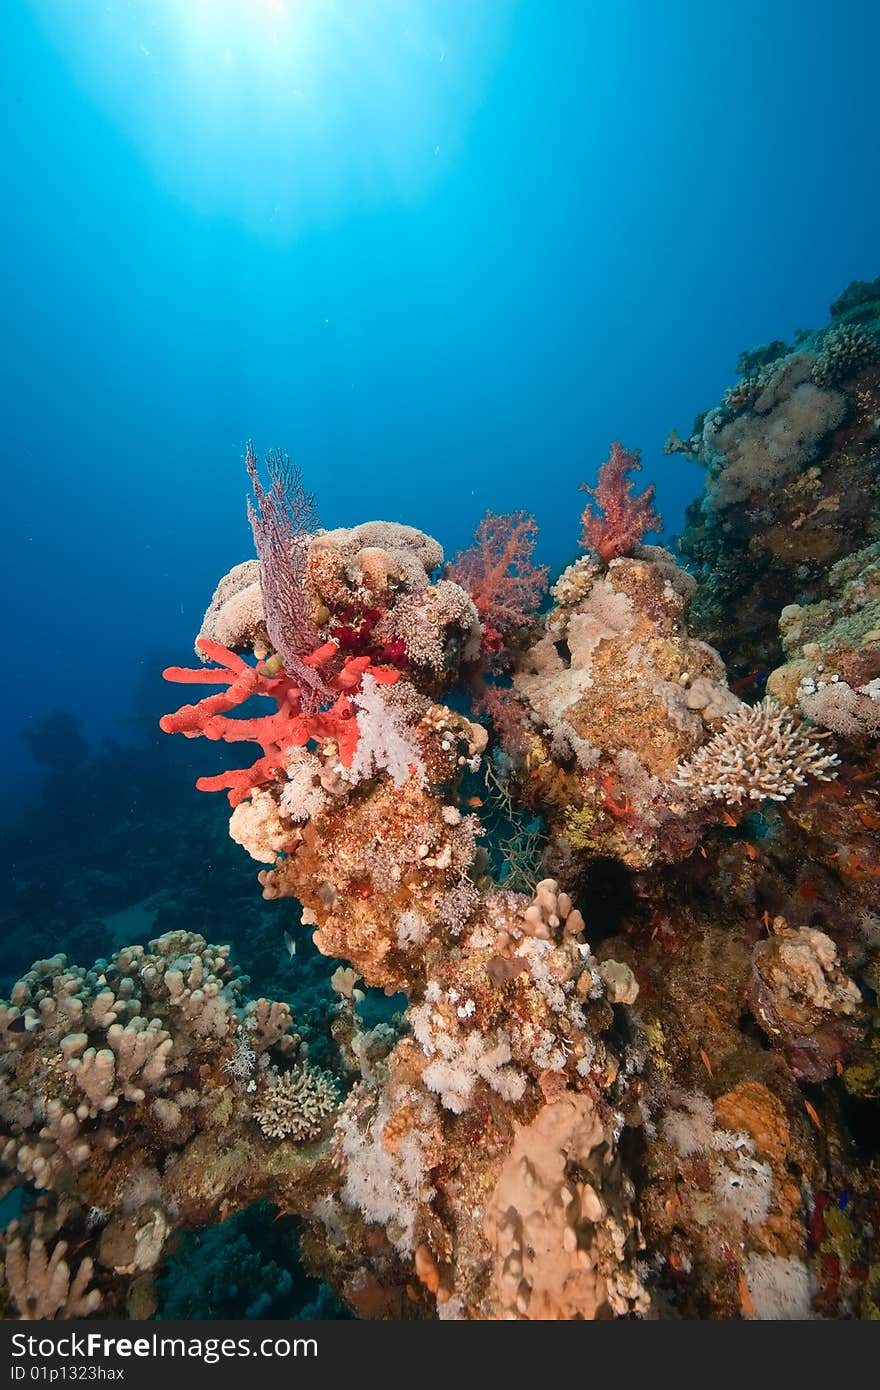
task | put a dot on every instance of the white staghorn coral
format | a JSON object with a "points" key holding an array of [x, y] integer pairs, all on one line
{"points": [[759, 754]]}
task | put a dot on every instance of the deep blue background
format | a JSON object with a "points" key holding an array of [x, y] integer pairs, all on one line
{"points": [[624, 196]]}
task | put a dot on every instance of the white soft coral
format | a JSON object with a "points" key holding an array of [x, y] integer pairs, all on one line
{"points": [[385, 743]]}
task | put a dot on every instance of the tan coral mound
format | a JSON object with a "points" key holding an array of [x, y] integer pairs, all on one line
{"points": [[619, 695], [833, 647], [371, 563], [557, 1239]]}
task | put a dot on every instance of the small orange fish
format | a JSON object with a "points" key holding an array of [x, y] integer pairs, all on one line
{"points": [[728, 818], [704, 1058], [748, 1306], [813, 1114], [765, 918], [751, 851], [474, 801], [719, 987], [838, 1067], [703, 852]]}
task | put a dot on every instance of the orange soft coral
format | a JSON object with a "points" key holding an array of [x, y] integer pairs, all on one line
{"points": [[626, 516], [498, 573]]}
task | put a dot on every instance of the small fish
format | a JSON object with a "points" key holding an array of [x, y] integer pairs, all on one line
{"points": [[843, 1200], [474, 801], [704, 1058], [813, 1114], [744, 683], [748, 1306], [290, 944]]}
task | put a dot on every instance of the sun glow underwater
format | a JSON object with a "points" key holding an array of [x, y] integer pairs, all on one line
{"points": [[283, 113]]}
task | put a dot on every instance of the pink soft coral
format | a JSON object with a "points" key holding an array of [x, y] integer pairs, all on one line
{"points": [[626, 516], [498, 573], [289, 727]]}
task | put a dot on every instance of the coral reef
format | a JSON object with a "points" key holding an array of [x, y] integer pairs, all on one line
{"points": [[134, 1098], [637, 742], [600, 1033], [832, 674], [792, 466]]}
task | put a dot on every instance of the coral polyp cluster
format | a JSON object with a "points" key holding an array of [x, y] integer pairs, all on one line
{"points": [[624, 916]]}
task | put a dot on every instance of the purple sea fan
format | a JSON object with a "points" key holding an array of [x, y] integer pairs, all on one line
{"points": [[283, 521]]}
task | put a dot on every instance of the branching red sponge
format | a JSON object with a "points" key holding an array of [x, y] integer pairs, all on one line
{"points": [[289, 727]]}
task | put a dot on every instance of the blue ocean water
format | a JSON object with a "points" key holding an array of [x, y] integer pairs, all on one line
{"points": [[443, 252]]}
